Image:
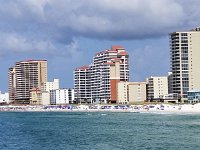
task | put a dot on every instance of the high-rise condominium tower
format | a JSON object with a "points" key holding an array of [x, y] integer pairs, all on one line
{"points": [[100, 79], [23, 77], [82, 85], [185, 62]]}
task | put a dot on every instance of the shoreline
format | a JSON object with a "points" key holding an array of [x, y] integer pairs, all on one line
{"points": [[150, 108]]}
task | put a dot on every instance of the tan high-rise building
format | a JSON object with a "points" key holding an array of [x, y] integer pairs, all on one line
{"points": [[185, 64], [25, 76]]}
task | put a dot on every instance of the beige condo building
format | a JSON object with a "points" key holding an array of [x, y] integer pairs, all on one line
{"points": [[131, 92], [137, 92], [185, 64]]}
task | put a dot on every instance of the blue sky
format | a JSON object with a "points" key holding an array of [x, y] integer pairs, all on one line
{"points": [[69, 32]]}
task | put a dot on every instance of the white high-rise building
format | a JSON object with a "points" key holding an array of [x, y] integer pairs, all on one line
{"points": [[108, 68], [82, 85], [185, 64]]}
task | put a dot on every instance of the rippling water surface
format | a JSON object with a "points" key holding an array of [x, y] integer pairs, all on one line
{"points": [[98, 131]]}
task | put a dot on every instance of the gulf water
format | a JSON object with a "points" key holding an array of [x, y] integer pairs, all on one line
{"points": [[98, 131]]}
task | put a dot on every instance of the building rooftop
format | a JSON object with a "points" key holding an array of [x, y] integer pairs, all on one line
{"points": [[116, 47], [83, 67], [123, 53], [31, 60]]}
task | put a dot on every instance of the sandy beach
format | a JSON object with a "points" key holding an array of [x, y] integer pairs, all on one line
{"points": [[150, 108]]}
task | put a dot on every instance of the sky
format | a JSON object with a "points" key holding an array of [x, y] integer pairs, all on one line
{"points": [[68, 33]]}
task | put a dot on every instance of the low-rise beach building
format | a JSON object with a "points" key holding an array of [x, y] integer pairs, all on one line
{"points": [[131, 92], [193, 96], [61, 96], [38, 97], [42, 96], [137, 92], [169, 98]]}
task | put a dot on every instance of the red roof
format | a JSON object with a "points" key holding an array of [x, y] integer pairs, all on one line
{"points": [[101, 52], [112, 51], [83, 67], [123, 53], [115, 47]]}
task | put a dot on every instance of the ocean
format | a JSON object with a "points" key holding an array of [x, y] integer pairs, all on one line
{"points": [[98, 131]]}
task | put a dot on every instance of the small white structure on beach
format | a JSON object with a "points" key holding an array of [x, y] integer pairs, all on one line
{"points": [[4, 98]]}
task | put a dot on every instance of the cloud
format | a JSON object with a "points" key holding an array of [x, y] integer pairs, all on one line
{"points": [[53, 28], [34, 24], [119, 19]]}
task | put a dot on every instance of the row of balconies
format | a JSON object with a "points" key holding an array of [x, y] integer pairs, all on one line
{"points": [[175, 58]]}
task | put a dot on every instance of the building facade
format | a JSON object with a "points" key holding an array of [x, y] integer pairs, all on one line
{"points": [[82, 85], [23, 77], [38, 97], [185, 64], [47, 86], [131, 92], [156, 86], [122, 93], [137, 92], [193, 96], [107, 69], [61, 96], [42, 96]]}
